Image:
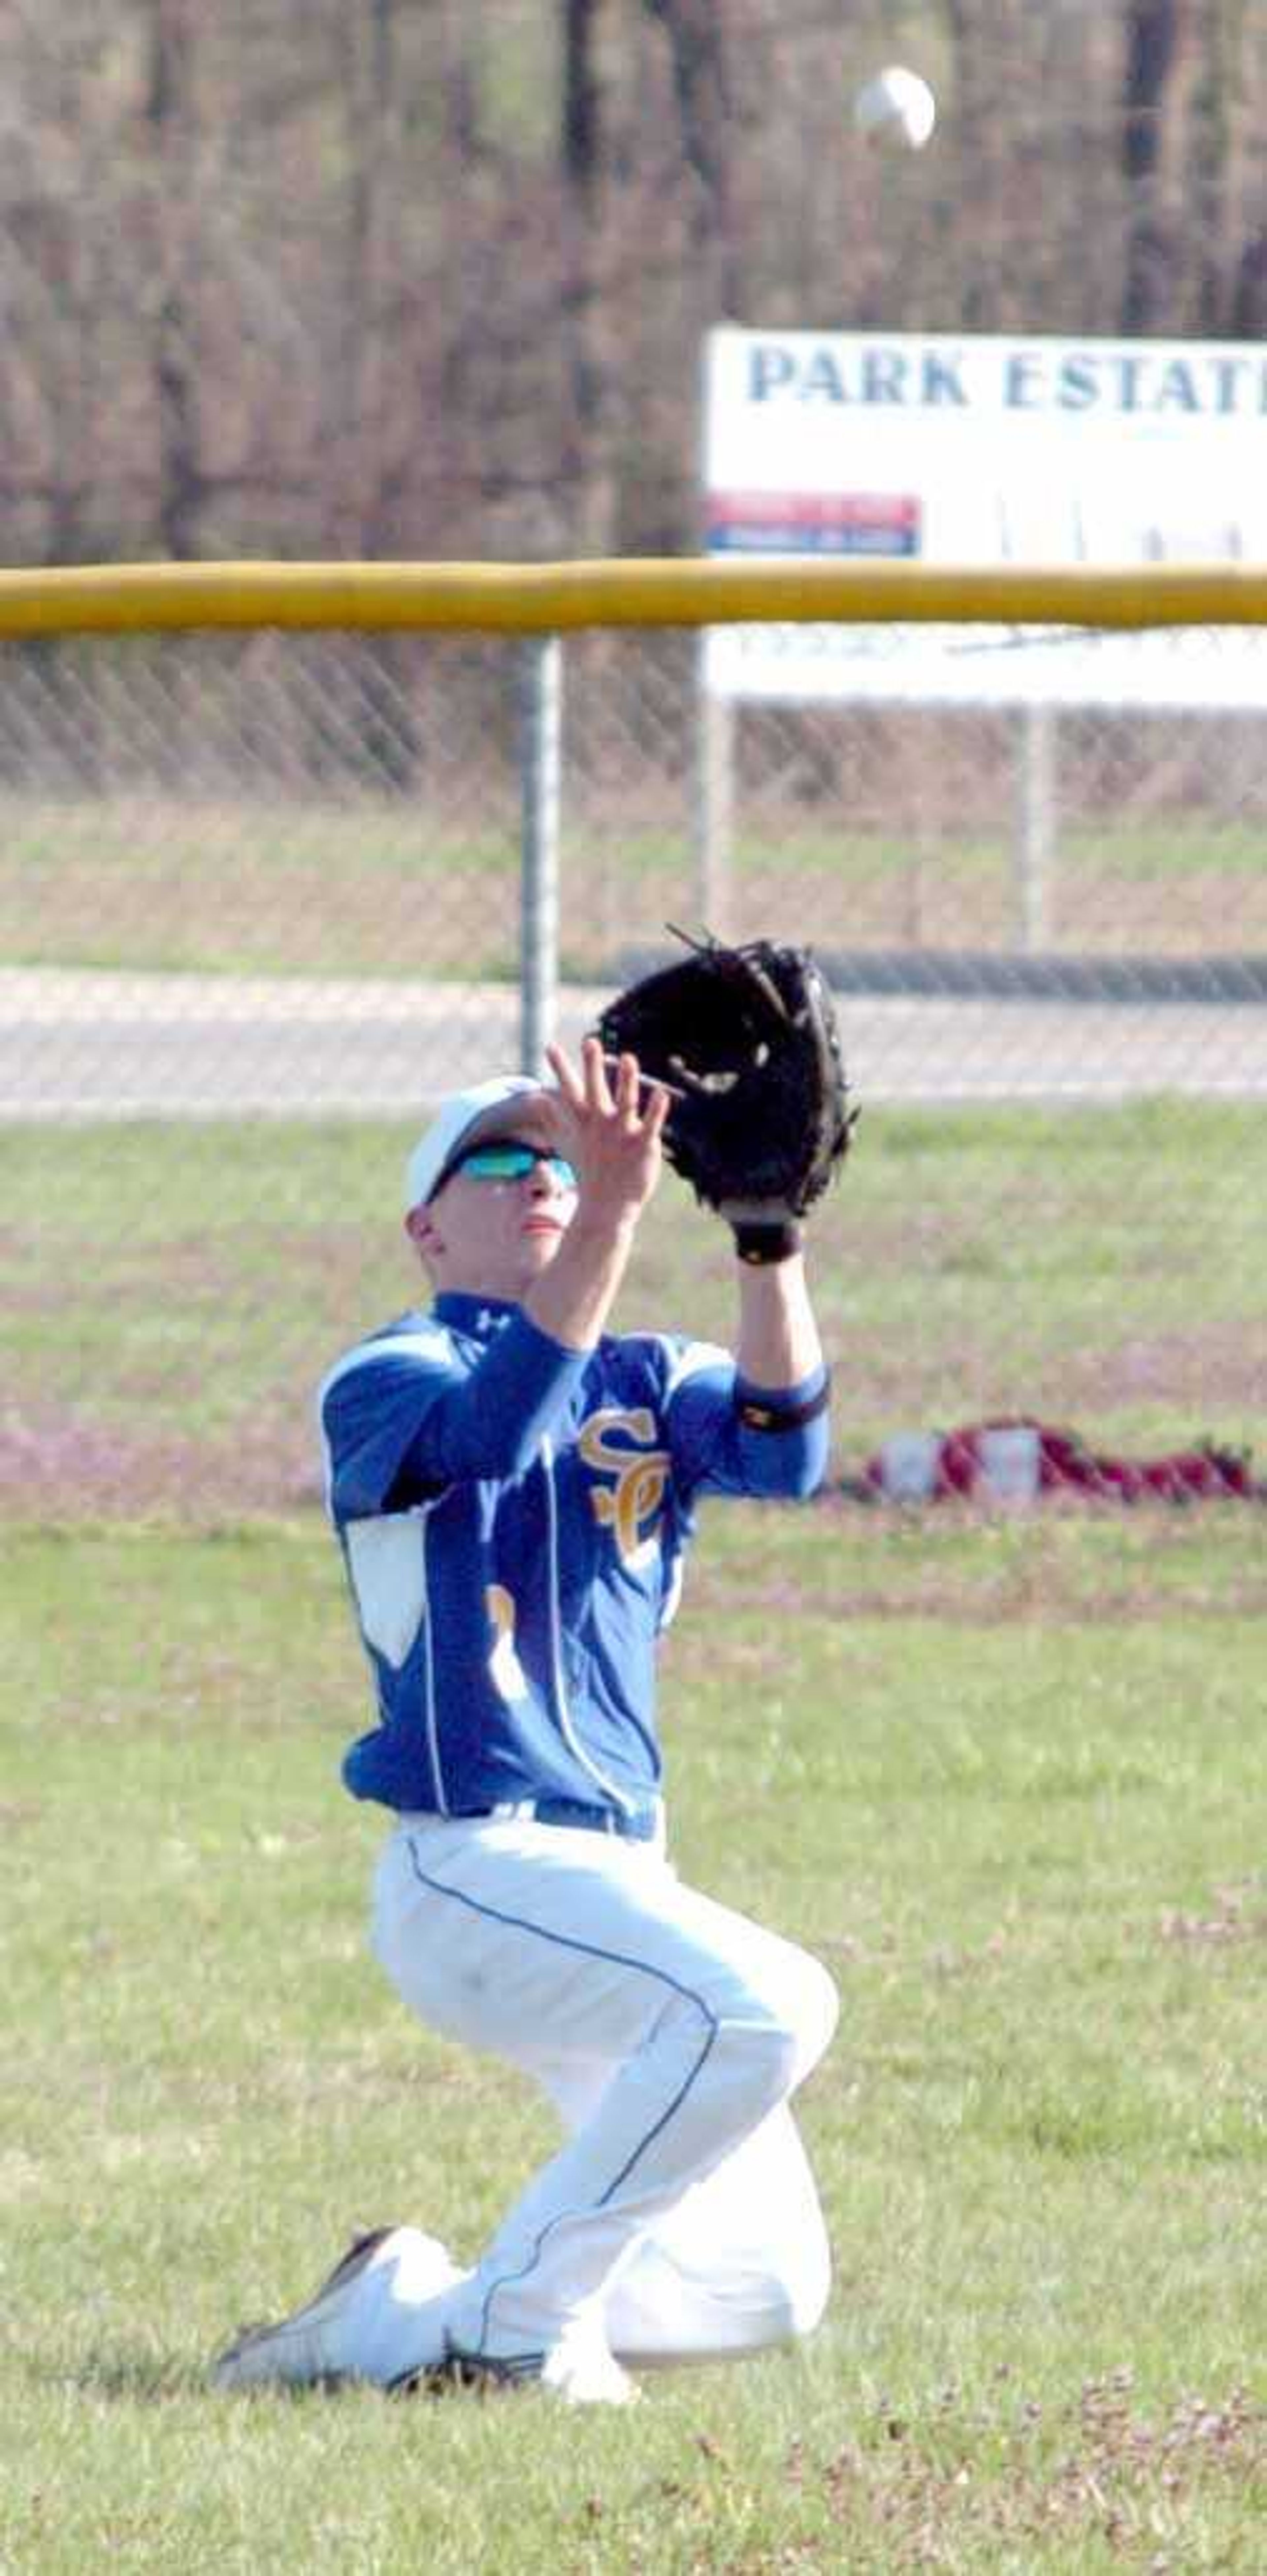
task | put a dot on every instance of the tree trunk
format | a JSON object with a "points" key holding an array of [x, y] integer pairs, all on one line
{"points": [[1154, 31], [589, 319], [705, 117], [170, 116]]}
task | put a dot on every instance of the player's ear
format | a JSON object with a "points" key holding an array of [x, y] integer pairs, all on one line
{"points": [[420, 1226]]}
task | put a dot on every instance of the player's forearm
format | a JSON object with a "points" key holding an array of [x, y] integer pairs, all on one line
{"points": [[573, 1299], [778, 1337]]}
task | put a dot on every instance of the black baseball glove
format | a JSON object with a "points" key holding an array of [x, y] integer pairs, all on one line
{"points": [[746, 1039]]}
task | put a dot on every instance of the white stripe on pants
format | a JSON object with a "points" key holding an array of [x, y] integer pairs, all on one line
{"points": [[680, 2217]]}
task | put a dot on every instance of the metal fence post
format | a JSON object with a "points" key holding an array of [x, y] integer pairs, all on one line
{"points": [[541, 683], [714, 800]]}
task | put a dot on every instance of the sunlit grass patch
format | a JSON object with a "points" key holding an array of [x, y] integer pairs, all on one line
{"points": [[1029, 1851]]}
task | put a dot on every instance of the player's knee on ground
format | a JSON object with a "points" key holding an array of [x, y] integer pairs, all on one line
{"points": [[790, 2305], [788, 2299], [717, 2298], [802, 2294]]}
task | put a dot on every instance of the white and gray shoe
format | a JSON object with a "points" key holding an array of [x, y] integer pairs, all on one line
{"points": [[593, 2379], [311, 2346]]}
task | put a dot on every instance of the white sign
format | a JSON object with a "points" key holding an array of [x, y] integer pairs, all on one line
{"points": [[1038, 452]]}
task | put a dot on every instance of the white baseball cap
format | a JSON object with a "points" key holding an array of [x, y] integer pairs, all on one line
{"points": [[452, 1124]]}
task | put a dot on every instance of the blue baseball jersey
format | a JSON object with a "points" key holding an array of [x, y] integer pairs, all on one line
{"points": [[513, 1517]]}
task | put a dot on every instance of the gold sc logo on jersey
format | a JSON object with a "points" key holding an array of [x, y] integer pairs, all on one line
{"points": [[641, 1474]]}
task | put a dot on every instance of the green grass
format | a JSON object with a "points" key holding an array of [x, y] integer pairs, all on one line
{"points": [[285, 889], [1161, 854], [399, 886], [174, 1292], [1006, 1778]]}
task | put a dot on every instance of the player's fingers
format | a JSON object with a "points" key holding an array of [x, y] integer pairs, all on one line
{"points": [[566, 1076], [628, 1089], [659, 1103], [594, 1073]]}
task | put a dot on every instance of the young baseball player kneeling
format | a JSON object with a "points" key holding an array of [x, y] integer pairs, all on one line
{"points": [[512, 1487]]}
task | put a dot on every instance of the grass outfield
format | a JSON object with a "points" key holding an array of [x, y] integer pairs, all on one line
{"points": [[280, 887], [174, 1291], [1005, 1777]]}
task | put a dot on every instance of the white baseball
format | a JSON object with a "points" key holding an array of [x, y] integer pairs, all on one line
{"points": [[896, 107]]}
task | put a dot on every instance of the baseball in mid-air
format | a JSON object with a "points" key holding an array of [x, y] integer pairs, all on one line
{"points": [[896, 107]]}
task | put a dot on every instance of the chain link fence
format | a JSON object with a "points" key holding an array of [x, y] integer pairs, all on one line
{"points": [[262, 899]]}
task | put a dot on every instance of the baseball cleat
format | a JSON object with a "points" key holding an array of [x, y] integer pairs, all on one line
{"points": [[597, 2380], [485, 2372], [296, 2352]]}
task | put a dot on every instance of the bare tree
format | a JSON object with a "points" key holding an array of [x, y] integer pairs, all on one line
{"points": [[696, 33], [171, 118], [586, 310], [427, 276], [1155, 33]]}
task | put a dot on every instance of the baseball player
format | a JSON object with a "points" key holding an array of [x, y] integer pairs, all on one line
{"points": [[513, 1488]]}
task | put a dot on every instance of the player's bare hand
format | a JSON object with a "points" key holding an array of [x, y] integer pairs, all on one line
{"points": [[610, 1119]]}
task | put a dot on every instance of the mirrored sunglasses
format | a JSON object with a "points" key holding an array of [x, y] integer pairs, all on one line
{"points": [[510, 1161]]}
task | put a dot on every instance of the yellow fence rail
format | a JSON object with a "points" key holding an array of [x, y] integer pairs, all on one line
{"points": [[556, 598]]}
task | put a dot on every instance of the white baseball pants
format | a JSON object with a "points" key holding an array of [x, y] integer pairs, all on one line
{"points": [[679, 2220]]}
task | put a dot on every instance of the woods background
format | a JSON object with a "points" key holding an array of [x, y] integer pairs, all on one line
{"points": [[408, 278]]}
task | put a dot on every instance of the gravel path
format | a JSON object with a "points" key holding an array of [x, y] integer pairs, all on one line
{"points": [[77, 1045]]}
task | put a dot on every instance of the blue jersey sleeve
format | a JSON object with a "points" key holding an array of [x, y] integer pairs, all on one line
{"points": [[729, 1437], [406, 1416]]}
